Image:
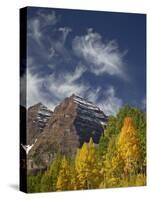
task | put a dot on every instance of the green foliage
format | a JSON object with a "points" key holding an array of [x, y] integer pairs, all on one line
{"points": [[139, 121], [45, 183], [49, 179], [119, 160], [115, 124], [109, 132], [122, 162], [33, 183]]}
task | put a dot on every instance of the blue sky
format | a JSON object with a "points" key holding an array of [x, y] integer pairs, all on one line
{"points": [[98, 55]]}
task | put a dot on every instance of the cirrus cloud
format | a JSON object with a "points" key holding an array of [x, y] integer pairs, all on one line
{"points": [[109, 102], [101, 57], [52, 89]]}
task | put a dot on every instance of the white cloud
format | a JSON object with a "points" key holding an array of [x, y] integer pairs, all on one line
{"points": [[49, 41], [101, 57], [64, 85], [65, 31], [106, 99], [34, 84], [35, 32], [58, 88], [110, 103], [48, 19], [37, 25], [93, 94], [79, 70], [58, 42]]}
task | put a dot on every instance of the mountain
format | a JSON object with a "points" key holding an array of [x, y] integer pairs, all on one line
{"points": [[37, 118], [73, 122]]}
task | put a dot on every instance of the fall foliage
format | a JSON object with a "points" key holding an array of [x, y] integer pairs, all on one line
{"points": [[63, 181], [119, 160], [129, 146], [87, 166]]}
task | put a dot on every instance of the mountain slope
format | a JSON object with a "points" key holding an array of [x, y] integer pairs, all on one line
{"points": [[37, 118], [73, 122]]}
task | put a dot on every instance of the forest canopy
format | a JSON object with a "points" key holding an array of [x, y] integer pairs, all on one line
{"points": [[119, 160]]}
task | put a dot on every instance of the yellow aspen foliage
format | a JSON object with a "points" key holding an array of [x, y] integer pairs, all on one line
{"points": [[112, 167], [129, 146], [123, 157], [87, 166], [140, 180], [63, 181]]}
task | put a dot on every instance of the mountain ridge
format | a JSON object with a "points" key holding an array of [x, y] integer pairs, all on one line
{"points": [[73, 122]]}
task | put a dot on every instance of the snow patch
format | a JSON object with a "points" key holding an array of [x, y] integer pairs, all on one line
{"points": [[83, 102]]}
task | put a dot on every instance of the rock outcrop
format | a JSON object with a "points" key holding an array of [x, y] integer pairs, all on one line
{"points": [[73, 122], [37, 118]]}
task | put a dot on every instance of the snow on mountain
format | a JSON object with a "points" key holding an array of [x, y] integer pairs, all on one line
{"points": [[85, 103], [89, 111], [38, 117]]}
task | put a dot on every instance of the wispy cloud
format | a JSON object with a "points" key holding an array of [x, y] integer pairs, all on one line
{"points": [[46, 41], [76, 74], [65, 31], [34, 30], [48, 19], [56, 86], [93, 94], [64, 85], [109, 102], [106, 99], [90, 54], [100, 56], [34, 85], [38, 24]]}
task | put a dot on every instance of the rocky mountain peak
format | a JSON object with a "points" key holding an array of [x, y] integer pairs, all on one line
{"points": [[37, 118], [73, 122]]}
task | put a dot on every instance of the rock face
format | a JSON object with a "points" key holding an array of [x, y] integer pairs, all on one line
{"points": [[37, 118], [72, 123], [89, 120]]}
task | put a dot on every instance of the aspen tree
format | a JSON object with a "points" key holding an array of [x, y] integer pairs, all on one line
{"points": [[63, 181], [129, 146], [87, 166]]}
